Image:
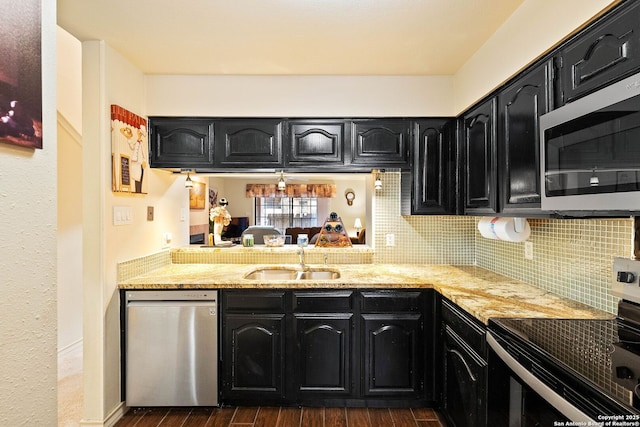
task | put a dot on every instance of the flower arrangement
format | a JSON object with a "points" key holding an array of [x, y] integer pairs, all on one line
{"points": [[218, 215]]}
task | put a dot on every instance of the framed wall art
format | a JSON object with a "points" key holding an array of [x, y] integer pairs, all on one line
{"points": [[197, 195], [21, 74], [129, 152]]}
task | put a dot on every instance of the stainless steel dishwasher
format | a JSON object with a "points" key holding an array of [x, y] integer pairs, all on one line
{"points": [[171, 348]]}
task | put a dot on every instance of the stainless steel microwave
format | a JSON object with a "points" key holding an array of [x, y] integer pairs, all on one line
{"points": [[590, 151]]}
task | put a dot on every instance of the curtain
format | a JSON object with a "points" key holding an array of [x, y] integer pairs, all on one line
{"points": [[292, 190]]}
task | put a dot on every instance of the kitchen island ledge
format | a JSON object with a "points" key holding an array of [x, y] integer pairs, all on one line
{"points": [[480, 292]]}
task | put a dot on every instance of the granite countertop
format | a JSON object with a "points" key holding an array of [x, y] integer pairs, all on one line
{"points": [[481, 293]]}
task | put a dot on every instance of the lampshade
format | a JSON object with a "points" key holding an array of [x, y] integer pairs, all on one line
{"points": [[282, 185], [378, 183], [188, 183], [357, 224]]}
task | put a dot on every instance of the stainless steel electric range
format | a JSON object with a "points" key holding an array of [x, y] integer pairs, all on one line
{"points": [[559, 372]]}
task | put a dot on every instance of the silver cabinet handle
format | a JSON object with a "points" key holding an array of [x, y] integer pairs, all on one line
{"points": [[464, 362]]}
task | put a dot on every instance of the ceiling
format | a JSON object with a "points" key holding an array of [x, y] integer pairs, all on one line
{"points": [[289, 37]]}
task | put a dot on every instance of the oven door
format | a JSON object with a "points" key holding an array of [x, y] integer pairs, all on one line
{"points": [[518, 398]]}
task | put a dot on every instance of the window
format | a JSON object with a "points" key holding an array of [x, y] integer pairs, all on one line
{"points": [[285, 212]]}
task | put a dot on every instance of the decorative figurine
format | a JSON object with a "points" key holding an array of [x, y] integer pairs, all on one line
{"points": [[219, 217]]}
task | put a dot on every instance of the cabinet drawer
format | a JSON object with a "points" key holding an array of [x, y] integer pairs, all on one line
{"points": [[322, 301], [254, 301], [464, 326], [391, 301]]}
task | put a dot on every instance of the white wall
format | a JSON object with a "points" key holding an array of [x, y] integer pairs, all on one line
{"points": [[109, 79], [69, 238], [69, 105], [28, 261], [289, 96], [533, 29], [69, 78]]}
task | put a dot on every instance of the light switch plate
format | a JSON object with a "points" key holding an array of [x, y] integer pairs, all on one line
{"points": [[122, 215], [149, 213]]}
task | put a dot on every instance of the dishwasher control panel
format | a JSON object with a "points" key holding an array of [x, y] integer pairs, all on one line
{"points": [[172, 295]]}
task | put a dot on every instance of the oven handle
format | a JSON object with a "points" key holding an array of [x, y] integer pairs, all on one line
{"points": [[553, 398]]}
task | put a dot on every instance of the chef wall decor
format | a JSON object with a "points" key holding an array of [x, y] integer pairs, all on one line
{"points": [[21, 73], [129, 154]]}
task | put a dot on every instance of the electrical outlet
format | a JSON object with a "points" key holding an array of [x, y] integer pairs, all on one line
{"points": [[528, 250], [391, 239], [149, 213]]}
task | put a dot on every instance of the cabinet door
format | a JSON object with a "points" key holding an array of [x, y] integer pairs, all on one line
{"points": [[381, 143], [465, 401], [481, 179], [249, 143], [602, 54], [316, 142], [253, 356], [433, 183], [520, 106], [180, 143], [392, 354], [324, 356]]}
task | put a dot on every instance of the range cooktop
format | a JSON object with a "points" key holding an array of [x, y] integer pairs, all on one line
{"points": [[584, 352]]}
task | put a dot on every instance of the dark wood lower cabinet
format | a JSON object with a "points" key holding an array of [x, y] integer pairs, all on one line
{"points": [[327, 347], [464, 367], [255, 352], [465, 383], [324, 357], [392, 354]]}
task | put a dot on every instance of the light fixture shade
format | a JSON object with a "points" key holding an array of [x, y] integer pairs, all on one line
{"points": [[378, 183], [357, 224], [282, 185], [188, 183]]}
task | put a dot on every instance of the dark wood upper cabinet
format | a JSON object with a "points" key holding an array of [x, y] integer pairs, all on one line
{"points": [[520, 105], [249, 143], [434, 167], [381, 143], [316, 142], [180, 142], [604, 52], [479, 144]]}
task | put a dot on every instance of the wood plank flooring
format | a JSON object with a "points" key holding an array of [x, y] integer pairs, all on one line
{"points": [[280, 417]]}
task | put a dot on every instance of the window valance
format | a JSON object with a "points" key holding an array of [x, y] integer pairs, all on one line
{"points": [[292, 190]]}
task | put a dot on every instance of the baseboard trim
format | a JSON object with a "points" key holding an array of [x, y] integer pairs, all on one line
{"points": [[116, 414], [70, 359], [73, 348], [111, 420]]}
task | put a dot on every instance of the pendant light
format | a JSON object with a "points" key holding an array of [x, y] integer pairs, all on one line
{"points": [[281, 184], [188, 183]]}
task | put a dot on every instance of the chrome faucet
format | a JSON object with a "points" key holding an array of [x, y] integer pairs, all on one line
{"points": [[301, 255]]}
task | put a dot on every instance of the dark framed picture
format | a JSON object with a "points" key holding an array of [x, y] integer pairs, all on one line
{"points": [[21, 73]]}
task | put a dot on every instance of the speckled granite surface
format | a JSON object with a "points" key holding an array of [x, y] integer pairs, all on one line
{"points": [[478, 291]]}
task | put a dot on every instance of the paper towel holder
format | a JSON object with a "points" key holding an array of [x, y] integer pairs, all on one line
{"points": [[519, 224]]}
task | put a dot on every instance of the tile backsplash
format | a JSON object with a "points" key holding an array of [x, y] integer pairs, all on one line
{"points": [[572, 257]]}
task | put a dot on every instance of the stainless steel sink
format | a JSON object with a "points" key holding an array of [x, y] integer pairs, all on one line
{"points": [[289, 274], [318, 275]]}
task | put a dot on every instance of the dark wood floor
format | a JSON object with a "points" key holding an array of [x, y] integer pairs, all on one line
{"points": [[280, 417]]}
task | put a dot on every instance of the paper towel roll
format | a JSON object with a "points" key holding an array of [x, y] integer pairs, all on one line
{"points": [[504, 228]]}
